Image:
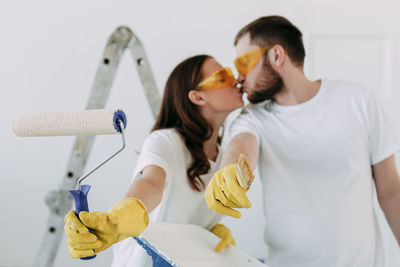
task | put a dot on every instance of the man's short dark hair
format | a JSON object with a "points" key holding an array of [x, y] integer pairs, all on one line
{"points": [[271, 30]]}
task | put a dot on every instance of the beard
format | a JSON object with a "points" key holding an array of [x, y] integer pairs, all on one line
{"points": [[268, 84]]}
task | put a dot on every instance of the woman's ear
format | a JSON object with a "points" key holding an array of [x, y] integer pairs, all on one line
{"points": [[196, 98]]}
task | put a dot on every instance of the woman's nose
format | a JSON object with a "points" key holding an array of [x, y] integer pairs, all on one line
{"points": [[237, 84]]}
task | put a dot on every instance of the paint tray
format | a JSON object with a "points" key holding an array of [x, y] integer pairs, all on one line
{"points": [[187, 245]]}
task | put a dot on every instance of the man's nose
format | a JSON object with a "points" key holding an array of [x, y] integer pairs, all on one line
{"points": [[241, 78]]}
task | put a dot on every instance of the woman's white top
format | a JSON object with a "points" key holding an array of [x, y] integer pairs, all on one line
{"points": [[180, 203]]}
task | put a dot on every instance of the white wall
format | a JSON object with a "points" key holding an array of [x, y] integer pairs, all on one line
{"points": [[50, 51]]}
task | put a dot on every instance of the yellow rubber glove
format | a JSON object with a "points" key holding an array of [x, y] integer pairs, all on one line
{"points": [[224, 192], [126, 218], [224, 233]]}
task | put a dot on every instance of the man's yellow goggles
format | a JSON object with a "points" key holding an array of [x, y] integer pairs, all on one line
{"points": [[246, 62], [220, 79]]}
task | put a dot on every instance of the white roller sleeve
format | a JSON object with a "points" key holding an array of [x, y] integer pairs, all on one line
{"points": [[85, 122]]}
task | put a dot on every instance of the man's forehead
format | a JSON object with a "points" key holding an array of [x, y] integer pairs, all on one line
{"points": [[244, 45]]}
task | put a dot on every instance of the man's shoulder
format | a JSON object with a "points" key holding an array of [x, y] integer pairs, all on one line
{"points": [[347, 88], [252, 114]]}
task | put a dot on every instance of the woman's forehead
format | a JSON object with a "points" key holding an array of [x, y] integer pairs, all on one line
{"points": [[210, 66]]}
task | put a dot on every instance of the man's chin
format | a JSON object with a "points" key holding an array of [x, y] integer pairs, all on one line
{"points": [[253, 101], [258, 99], [258, 96]]}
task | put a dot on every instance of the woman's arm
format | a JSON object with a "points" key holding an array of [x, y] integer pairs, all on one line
{"points": [[149, 188]]}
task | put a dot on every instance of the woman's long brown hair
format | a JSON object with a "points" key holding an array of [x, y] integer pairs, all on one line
{"points": [[179, 113]]}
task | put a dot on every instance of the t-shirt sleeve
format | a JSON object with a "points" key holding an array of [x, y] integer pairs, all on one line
{"points": [[382, 138], [244, 123], [156, 150]]}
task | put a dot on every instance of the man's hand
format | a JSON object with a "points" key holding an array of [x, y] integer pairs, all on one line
{"points": [[126, 218], [224, 192], [224, 233]]}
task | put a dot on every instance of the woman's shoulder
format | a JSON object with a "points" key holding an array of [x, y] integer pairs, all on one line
{"points": [[161, 146]]}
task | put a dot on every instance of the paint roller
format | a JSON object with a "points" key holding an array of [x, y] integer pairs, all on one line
{"points": [[77, 123], [85, 122]]}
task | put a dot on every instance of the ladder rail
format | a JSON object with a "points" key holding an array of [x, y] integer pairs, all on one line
{"points": [[60, 201]]}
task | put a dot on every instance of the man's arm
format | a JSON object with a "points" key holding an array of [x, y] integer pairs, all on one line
{"points": [[387, 183], [245, 143], [223, 192]]}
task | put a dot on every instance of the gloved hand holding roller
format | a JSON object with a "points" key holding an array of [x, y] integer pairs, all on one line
{"points": [[110, 227], [126, 218]]}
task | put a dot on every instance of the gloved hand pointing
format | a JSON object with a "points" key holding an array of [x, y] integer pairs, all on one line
{"points": [[224, 192], [126, 218]]}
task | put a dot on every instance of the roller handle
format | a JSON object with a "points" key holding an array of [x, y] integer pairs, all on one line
{"points": [[81, 204]]}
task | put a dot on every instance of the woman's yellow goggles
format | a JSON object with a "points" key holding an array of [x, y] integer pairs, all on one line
{"points": [[220, 79], [246, 62]]}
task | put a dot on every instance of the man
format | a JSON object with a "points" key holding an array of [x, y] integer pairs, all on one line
{"points": [[321, 147]]}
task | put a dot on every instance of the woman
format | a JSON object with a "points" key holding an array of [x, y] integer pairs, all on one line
{"points": [[177, 161]]}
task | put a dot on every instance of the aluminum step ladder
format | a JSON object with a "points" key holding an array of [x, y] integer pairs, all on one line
{"points": [[60, 201]]}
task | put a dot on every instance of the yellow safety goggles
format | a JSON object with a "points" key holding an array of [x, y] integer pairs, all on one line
{"points": [[220, 79], [246, 62]]}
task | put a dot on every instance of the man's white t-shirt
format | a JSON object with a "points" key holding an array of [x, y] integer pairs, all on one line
{"points": [[315, 166], [180, 203]]}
